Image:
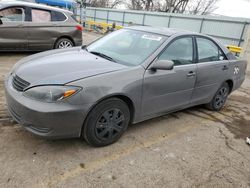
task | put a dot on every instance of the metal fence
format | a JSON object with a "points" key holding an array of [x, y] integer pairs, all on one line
{"points": [[228, 30]]}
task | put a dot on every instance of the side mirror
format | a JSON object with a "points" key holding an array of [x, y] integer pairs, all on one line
{"points": [[84, 47], [162, 65]]}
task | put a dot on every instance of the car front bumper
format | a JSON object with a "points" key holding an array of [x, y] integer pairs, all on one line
{"points": [[51, 120]]}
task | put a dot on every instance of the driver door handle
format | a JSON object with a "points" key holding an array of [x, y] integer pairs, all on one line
{"points": [[191, 73]]}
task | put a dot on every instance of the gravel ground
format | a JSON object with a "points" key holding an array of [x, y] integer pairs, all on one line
{"points": [[190, 148]]}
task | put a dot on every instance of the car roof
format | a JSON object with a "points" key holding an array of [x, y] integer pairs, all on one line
{"points": [[4, 4], [163, 30]]}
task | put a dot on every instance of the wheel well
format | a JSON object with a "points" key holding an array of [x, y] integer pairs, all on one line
{"points": [[130, 104], [124, 98], [230, 84], [67, 37]]}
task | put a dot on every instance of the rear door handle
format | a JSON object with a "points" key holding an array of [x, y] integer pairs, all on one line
{"points": [[225, 67], [191, 73]]}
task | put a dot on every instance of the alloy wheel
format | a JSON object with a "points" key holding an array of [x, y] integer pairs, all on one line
{"points": [[65, 44]]}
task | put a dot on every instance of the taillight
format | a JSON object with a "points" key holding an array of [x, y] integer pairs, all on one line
{"points": [[80, 28]]}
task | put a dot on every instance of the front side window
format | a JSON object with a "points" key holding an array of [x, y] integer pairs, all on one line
{"points": [[208, 51], [13, 14], [40, 16], [180, 52], [128, 47]]}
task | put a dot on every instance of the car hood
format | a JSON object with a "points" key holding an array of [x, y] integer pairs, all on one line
{"points": [[62, 66]]}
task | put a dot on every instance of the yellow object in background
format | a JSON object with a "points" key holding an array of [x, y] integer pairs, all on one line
{"points": [[234, 49], [101, 27]]}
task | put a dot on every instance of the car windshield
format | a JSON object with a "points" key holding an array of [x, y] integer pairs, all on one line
{"points": [[128, 47]]}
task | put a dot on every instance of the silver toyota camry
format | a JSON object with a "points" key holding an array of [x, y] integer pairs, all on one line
{"points": [[128, 76]]}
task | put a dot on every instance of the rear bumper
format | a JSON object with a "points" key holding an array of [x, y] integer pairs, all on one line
{"points": [[51, 120], [238, 83], [78, 43], [78, 39]]}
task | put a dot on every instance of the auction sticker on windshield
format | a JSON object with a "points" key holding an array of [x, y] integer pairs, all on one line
{"points": [[152, 37]]}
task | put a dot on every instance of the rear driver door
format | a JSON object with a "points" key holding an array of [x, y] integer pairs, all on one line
{"points": [[212, 70]]}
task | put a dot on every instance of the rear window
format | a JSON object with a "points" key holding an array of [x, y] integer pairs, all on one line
{"points": [[40, 16], [58, 16]]}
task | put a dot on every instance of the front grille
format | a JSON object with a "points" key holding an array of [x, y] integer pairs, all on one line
{"points": [[19, 84]]}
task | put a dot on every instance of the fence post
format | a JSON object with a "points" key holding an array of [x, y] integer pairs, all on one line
{"points": [[202, 21], [143, 19], [169, 20], [95, 15], [245, 54], [107, 16], [80, 14], [242, 33], [123, 18]]}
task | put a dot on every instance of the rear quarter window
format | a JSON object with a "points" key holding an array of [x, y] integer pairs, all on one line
{"points": [[58, 16]]}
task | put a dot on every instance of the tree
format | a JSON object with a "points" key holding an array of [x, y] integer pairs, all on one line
{"points": [[175, 6], [103, 3], [141, 5], [201, 7]]}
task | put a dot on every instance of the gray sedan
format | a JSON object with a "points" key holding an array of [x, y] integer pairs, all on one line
{"points": [[33, 27], [128, 76]]}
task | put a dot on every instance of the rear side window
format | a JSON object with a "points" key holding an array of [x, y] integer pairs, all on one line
{"points": [[40, 16], [13, 14], [58, 16], [208, 51], [180, 52]]}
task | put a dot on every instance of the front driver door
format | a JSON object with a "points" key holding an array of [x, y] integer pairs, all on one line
{"points": [[13, 34], [166, 90]]}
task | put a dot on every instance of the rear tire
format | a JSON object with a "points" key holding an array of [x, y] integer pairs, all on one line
{"points": [[219, 98], [64, 43], [106, 122]]}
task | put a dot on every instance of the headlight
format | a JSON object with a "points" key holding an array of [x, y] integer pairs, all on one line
{"points": [[51, 93]]}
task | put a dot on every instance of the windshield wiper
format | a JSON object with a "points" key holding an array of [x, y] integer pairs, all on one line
{"points": [[103, 56]]}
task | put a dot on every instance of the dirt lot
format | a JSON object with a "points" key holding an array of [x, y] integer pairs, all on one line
{"points": [[191, 148]]}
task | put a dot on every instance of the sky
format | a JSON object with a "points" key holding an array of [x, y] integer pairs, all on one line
{"points": [[234, 8]]}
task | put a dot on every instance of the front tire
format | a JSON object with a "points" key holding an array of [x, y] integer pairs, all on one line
{"points": [[219, 98], [106, 122], [64, 43]]}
